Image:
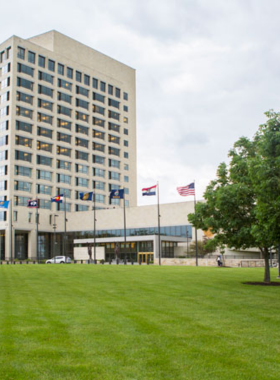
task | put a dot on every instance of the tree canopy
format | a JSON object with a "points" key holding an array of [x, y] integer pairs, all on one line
{"points": [[242, 205]]}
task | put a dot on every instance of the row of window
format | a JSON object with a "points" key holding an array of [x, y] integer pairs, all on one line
{"points": [[63, 70]]}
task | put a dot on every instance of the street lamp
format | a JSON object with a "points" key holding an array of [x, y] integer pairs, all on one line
{"points": [[54, 237]]}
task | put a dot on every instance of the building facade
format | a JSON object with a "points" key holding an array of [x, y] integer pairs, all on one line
{"points": [[67, 125]]}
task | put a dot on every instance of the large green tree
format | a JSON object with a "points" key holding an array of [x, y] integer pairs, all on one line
{"points": [[242, 205]]}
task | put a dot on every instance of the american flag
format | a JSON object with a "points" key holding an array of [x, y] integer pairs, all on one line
{"points": [[186, 190]]}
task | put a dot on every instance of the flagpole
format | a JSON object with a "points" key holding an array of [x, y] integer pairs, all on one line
{"points": [[124, 220], [37, 227], [65, 220], [196, 249], [159, 242], [94, 229]]}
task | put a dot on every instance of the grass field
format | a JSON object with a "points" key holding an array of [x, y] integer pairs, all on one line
{"points": [[137, 322]]}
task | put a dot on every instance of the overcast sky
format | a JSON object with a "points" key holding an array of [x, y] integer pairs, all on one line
{"points": [[206, 73]]}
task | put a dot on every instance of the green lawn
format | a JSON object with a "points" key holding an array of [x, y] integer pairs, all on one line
{"points": [[137, 322]]}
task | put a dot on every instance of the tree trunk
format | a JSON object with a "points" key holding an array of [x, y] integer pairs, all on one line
{"points": [[265, 252]]}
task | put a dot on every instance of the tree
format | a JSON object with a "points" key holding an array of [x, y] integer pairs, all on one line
{"points": [[242, 206], [202, 247]]}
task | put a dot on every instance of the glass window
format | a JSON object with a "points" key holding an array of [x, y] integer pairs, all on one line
{"points": [[81, 182], [86, 79], [125, 155], [4, 125], [99, 198], [81, 155], [41, 61], [43, 118], [51, 65], [22, 126], [114, 115], [44, 174], [45, 104], [23, 156], [82, 91], [81, 142], [114, 151], [96, 172], [98, 159], [98, 97], [114, 175], [41, 145], [103, 86], [125, 131], [25, 83], [64, 84], [61, 164], [82, 103], [79, 168], [118, 92], [126, 167], [44, 204], [78, 76], [21, 53], [81, 116], [125, 96], [126, 178], [41, 131], [31, 57], [114, 127], [64, 97], [98, 146], [95, 83], [25, 69], [97, 121], [125, 143], [98, 185], [46, 77], [60, 69], [110, 89], [125, 108], [113, 103], [23, 170], [64, 124], [114, 163], [81, 208], [44, 189], [81, 129], [98, 109], [114, 139], [64, 110], [45, 90], [125, 119], [98, 135], [22, 186], [64, 151], [69, 73], [24, 98], [64, 137], [42, 160], [63, 190], [24, 141], [6, 83], [63, 178], [21, 111]]}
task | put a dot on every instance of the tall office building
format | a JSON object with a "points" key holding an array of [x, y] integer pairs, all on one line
{"points": [[67, 125]]}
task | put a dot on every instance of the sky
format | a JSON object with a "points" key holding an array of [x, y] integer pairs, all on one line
{"points": [[206, 71]]}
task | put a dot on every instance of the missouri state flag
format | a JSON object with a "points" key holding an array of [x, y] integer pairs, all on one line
{"points": [[58, 198], [86, 196], [149, 190]]}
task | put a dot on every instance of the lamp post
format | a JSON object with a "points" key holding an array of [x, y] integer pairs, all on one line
{"points": [[54, 237]]}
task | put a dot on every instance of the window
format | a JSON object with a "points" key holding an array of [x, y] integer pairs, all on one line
{"points": [[22, 126], [81, 182], [125, 143], [81, 142], [23, 156], [20, 201], [64, 84], [98, 109], [61, 164], [110, 89], [86, 79], [6, 83], [98, 97], [82, 103], [98, 159], [78, 76], [24, 83], [64, 137], [64, 124], [43, 118], [125, 96], [125, 131], [44, 146], [44, 189], [69, 73], [63, 178], [4, 126], [114, 127], [82, 91], [113, 103], [41, 61], [46, 77], [44, 174], [23, 171], [99, 198], [45, 104], [118, 92], [103, 86], [22, 186], [45, 90], [31, 57], [98, 135], [21, 53], [114, 139], [64, 151], [126, 178], [114, 151], [21, 111], [60, 69], [125, 119], [125, 108], [81, 129], [79, 168], [51, 65], [126, 190], [63, 190], [5, 111], [125, 155], [95, 83], [126, 167], [45, 132], [64, 97], [4, 140], [81, 116], [114, 175], [6, 69], [15, 215], [98, 185], [114, 163], [100, 122], [98, 146], [64, 110], [114, 115], [44, 204], [42, 160], [30, 217], [25, 69], [81, 155], [24, 141], [24, 98], [98, 172], [81, 208]]}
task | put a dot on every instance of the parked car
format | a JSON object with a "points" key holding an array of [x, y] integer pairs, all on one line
{"points": [[59, 260]]}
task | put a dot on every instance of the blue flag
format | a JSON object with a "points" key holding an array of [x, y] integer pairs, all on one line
{"points": [[86, 196], [116, 194], [4, 204], [32, 203], [58, 198]]}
